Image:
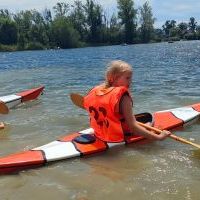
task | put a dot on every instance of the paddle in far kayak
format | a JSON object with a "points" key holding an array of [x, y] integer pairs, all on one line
{"points": [[3, 108], [10, 101]]}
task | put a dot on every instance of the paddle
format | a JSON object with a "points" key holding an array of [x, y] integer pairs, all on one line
{"points": [[3, 108], [77, 99], [2, 126], [171, 136]]}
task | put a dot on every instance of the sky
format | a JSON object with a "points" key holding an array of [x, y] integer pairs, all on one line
{"points": [[178, 10]]}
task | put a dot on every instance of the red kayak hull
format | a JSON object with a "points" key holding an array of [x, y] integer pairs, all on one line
{"points": [[31, 94]]}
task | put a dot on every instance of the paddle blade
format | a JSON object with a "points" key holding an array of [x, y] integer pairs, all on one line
{"points": [[77, 99], [3, 108], [2, 126]]}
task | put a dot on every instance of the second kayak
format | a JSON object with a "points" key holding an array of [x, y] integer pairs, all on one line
{"points": [[27, 95]]}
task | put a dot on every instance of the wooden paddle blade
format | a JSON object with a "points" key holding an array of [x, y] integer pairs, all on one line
{"points": [[77, 99], [2, 126], [3, 108]]}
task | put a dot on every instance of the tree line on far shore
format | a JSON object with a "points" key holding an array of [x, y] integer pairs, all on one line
{"points": [[87, 24]]}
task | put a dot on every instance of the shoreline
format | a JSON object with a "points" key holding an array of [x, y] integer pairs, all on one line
{"points": [[15, 48]]}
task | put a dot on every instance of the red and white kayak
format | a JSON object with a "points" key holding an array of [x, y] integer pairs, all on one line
{"points": [[85, 143], [27, 95]]}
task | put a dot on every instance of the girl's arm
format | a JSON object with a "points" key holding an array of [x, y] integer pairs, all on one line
{"points": [[126, 109]]}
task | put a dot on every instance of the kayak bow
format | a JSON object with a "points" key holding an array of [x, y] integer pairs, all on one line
{"points": [[15, 99]]}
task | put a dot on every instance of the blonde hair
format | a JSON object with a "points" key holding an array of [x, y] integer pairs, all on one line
{"points": [[115, 69]]}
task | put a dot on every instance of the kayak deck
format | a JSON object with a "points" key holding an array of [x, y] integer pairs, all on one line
{"points": [[67, 146]]}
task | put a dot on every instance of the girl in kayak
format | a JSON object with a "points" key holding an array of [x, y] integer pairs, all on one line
{"points": [[110, 106]]}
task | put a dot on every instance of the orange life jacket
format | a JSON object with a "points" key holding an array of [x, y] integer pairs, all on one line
{"points": [[103, 108]]}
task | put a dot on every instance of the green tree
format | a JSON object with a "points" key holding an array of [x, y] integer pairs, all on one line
{"points": [[61, 9], [94, 13], [48, 26], [64, 35], [8, 28], [158, 35], [191, 33], [127, 15], [192, 24], [169, 28], [198, 32], [115, 33], [38, 32], [23, 19], [182, 29], [78, 19], [4, 13], [8, 31], [47, 15], [31, 29], [147, 21]]}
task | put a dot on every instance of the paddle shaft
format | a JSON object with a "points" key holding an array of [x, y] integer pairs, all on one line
{"points": [[171, 135]]}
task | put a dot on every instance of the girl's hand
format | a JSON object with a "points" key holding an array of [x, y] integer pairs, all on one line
{"points": [[164, 134]]}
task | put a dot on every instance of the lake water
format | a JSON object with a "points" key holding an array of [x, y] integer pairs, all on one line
{"points": [[166, 75]]}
